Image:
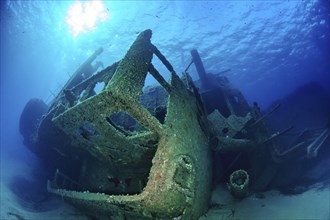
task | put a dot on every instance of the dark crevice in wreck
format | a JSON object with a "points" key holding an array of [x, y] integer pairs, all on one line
{"points": [[125, 123], [87, 131], [154, 99]]}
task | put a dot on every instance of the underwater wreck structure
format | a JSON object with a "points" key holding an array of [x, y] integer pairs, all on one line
{"points": [[162, 168], [134, 153]]}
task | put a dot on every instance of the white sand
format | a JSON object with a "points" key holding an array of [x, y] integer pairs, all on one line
{"points": [[312, 205], [10, 209]]}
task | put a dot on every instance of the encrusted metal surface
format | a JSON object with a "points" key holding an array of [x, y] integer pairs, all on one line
{"points": [[179, 181]]}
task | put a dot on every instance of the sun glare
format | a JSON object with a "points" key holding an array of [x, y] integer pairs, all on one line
{"points": [[84, 16]]}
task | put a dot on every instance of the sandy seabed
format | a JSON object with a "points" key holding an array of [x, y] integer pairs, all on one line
{"points": [[312, 205]]}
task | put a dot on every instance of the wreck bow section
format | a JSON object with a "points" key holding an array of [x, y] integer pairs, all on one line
{"points": [[164, 165], [90, 123]]}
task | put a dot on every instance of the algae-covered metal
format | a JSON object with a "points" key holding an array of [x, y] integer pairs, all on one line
{"points": [[165, 168], [136, 152]]}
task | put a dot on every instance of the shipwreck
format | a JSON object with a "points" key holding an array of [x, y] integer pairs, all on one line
{"points": [[135, 152]]}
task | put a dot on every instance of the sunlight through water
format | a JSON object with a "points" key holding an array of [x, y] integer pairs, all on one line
{"points": [[84, 16]]}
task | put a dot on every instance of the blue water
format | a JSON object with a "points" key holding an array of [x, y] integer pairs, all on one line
{"points": [[271, 47]]}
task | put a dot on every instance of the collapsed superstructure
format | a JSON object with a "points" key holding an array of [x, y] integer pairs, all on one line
{"points": [[130, 153]]}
